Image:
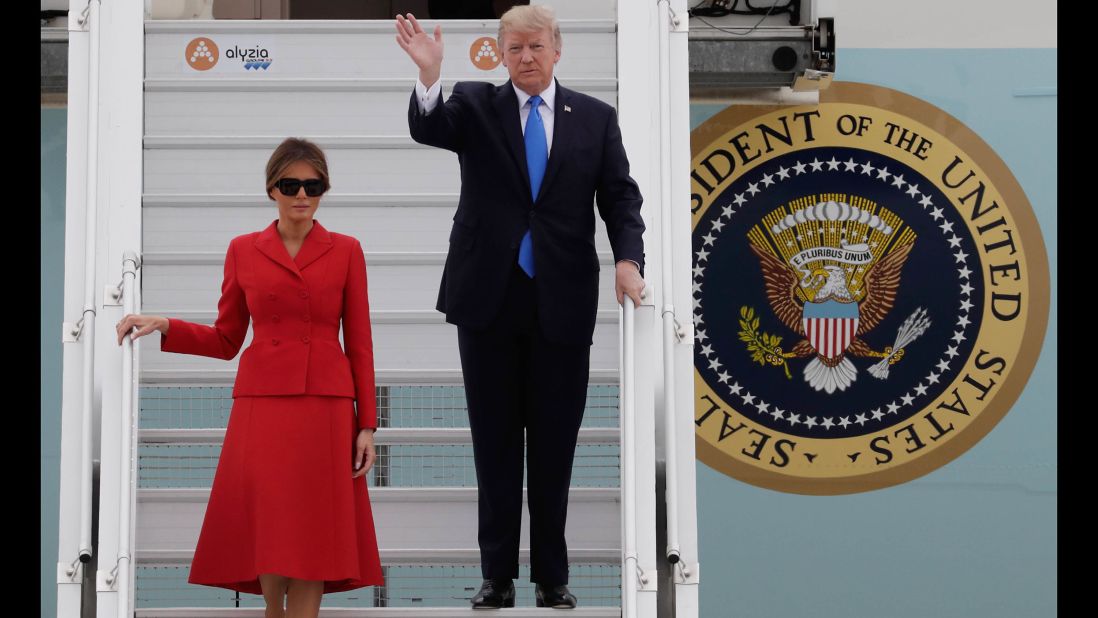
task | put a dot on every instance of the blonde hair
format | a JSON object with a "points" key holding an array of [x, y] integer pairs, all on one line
{"points": [[290, 151], [529, 18]]}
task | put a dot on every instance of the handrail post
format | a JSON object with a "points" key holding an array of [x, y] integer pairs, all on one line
{"points": [[120, 575], [87, 320], [629, 564], [638, 473]]}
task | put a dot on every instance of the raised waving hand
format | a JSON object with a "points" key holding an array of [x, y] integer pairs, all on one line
{"points": [[422, 48]]}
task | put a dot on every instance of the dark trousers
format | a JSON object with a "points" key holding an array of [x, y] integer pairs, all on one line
{"points": [[516, 382]]}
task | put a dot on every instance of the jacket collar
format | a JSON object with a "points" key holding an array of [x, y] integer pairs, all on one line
{"points": [[506, 105], [549, 95], [317, 242], [507, 113], [562, 135]]}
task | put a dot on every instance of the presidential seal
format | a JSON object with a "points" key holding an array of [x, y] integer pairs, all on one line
{"points": [[870, 287]]}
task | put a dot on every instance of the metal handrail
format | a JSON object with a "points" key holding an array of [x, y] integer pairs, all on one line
{"points": [[630, 568], [120, 576], [85, 328], [671, 332]]}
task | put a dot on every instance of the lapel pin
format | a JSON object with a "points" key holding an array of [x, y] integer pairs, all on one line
{"points": [[567, 109]]}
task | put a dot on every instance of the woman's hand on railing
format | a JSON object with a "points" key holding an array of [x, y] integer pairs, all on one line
{"points": [[144, 324]]}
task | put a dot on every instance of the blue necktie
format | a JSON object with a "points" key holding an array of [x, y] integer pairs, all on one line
{"points": [[537, 155]]}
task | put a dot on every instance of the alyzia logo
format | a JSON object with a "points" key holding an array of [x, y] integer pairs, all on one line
{"points": [[257, 52], [253, 54], [257, 57]]}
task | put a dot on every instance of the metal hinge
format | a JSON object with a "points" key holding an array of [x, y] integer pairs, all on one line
{"points": [[684, 333], [687, 573], [646, 583], [71, 331], [69, 573], [112, 296], [82, 21]]}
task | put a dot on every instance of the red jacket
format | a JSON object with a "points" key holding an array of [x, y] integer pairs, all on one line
{"points": [[295, 306]]}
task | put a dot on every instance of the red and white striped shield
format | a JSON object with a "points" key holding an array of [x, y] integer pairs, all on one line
{"points": [[830, 336]]}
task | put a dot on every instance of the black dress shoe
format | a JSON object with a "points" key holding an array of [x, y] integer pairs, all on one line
{"points": [[494, 594], [556, 597]]}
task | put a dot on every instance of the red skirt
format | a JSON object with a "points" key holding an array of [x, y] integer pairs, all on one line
{"points": [[283, 500]]}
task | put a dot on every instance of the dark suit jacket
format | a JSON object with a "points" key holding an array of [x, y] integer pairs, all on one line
{"points": [[587, 163], [296, 306]]}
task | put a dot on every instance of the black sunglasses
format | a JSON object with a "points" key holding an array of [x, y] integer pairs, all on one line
{"points": [[290, 186]]}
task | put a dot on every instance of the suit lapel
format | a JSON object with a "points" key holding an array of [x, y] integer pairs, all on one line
{"points": [[507, 113], [562, 137], [270, 244], [317, 242]]}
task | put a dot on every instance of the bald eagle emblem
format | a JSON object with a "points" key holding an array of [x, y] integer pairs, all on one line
{"points": [[833, 292]]}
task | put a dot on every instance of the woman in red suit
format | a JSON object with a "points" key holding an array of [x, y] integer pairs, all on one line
{"points": [[289, 516]]}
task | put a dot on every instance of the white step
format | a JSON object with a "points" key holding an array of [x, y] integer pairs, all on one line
{"points": [[404, 518], [212, 377], [412, 348], [384, 436], [386, 612], [432, 557], [362, 48], [298, 106], [399, 282], [409, 218]]}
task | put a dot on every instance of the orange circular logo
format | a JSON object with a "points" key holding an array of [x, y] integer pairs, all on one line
{"points": [[484, 53], [202, 54]]}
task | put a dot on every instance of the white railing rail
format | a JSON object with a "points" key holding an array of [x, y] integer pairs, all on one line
{"points": [[121, 575], [629, 567], [638, 471], [78, 423], [85, 328], [681, 549], [672, 332]]}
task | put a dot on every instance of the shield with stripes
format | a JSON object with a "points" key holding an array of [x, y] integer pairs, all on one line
{"points": [[830, 326]]}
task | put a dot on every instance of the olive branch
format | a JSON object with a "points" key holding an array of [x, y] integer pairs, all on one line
{"points": [[764, 347]]}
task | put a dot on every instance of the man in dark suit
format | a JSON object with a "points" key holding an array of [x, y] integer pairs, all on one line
{"points": [[521, 277]]}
